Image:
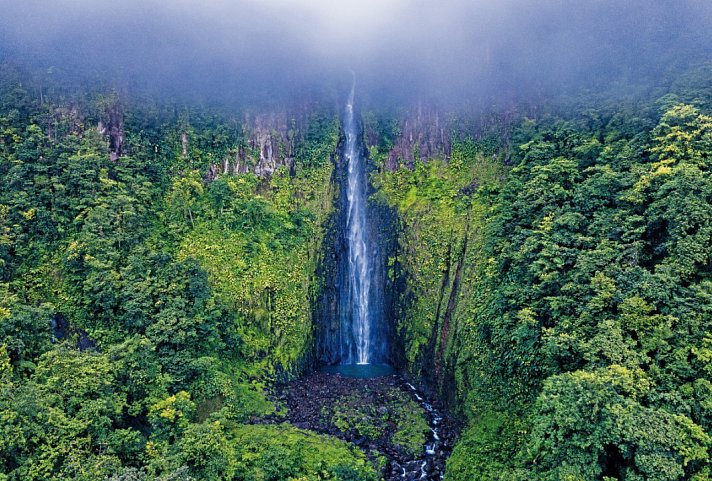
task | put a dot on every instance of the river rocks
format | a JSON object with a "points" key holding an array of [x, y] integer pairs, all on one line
{"points": [[383, 416]]}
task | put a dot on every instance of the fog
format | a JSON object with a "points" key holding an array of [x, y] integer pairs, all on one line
{"points": [[448, 50]]}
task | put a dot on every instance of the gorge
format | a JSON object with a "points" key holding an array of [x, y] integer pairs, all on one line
{"points": [[364, 339], [220, 280], [225, 258]]}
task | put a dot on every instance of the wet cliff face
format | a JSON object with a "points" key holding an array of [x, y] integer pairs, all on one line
{"points": [[439, 165], [420, 133], [424, 132], [252, 141], [268, 142], [334, 271], [406, 140]]}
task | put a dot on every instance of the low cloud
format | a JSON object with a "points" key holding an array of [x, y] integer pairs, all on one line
{"points": [[399, 48]]}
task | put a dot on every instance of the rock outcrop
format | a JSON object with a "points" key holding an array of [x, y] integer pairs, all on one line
{"points": [[423, 134]]}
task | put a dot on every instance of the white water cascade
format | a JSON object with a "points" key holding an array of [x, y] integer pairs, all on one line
{"points": [[357, 316]]}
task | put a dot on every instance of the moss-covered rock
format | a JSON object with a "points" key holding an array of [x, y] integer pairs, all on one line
{"points": [[389, 417], [283, 452]]}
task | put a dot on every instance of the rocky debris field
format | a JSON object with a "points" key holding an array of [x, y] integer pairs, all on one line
{"points": [[406, 436]]}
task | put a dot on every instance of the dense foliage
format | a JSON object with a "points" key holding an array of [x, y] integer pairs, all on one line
{"points": [[145, 303], [569, 303], [552, 282]]}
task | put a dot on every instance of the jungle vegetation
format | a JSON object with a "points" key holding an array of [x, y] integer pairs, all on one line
{"points": [[556, 270]]}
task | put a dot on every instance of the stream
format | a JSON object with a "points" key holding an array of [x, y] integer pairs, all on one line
{"points": [[427, 469]]}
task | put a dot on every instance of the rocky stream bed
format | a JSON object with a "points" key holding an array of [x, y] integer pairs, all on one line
{"points": [[408, 436]]}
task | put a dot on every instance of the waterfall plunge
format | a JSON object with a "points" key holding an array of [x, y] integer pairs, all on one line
{"points": [[360, 309]]}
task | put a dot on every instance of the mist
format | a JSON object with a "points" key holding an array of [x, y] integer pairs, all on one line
{"points": [[450, 51]]}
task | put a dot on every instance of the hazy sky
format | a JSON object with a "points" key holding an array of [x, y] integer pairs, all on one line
{"points": [[397, 47]]}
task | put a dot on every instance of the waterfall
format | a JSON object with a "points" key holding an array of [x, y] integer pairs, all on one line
{"points": [[353, 331], [360, 303]]}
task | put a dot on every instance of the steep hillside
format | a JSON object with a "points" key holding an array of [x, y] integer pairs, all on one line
{"points": [[556, 287], [158, 269], [545, 271]]}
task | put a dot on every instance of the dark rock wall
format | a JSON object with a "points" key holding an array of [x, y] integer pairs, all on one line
{"points": [[423, 133], [334, 269]]}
